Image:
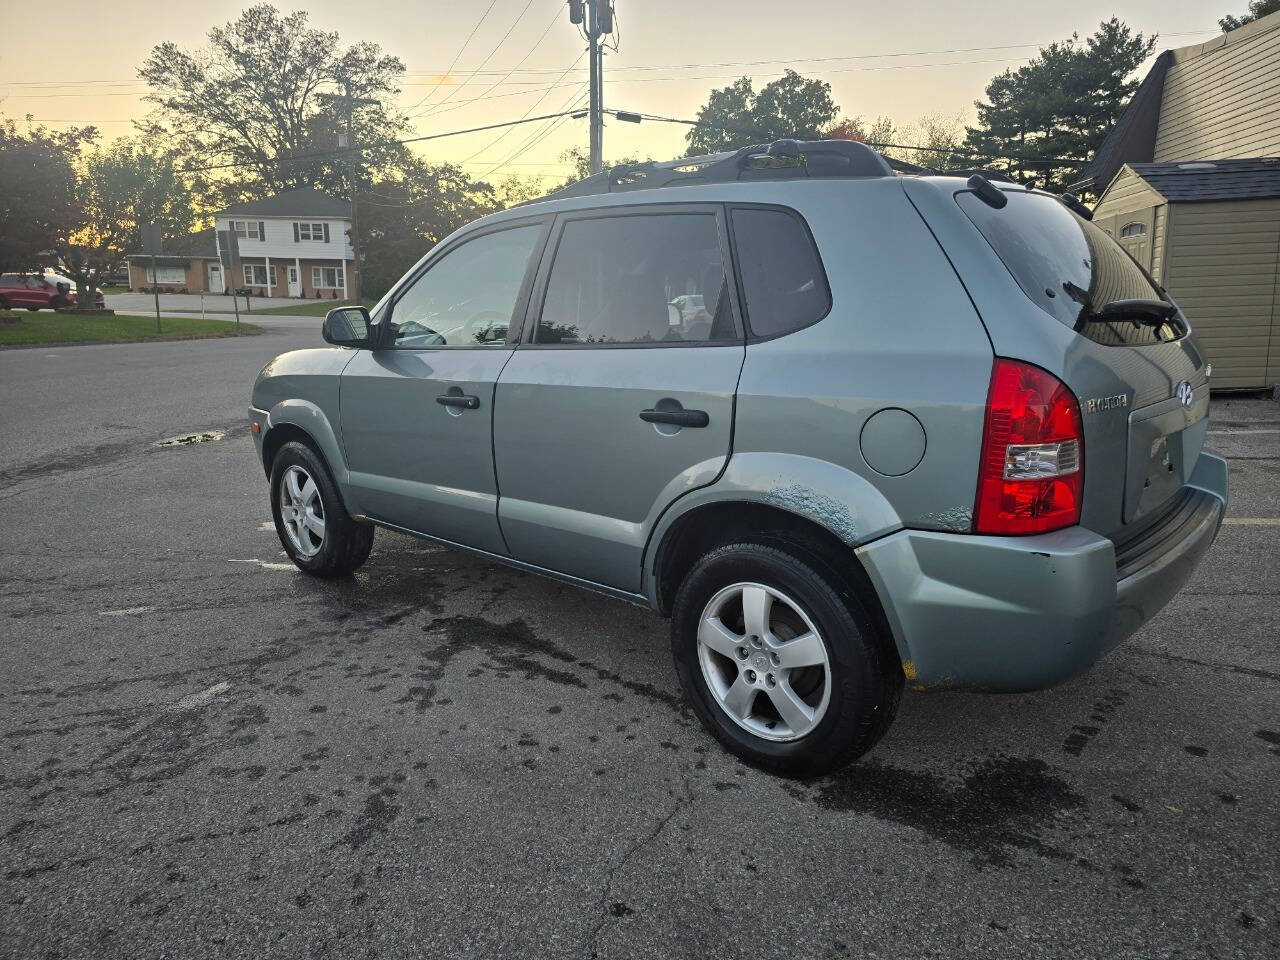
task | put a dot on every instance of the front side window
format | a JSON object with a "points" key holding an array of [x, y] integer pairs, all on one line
{"points": [[782, 279], [638, 279], [468, 296]]}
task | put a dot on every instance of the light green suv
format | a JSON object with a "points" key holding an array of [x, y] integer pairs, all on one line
{"points": [[846, 428]]}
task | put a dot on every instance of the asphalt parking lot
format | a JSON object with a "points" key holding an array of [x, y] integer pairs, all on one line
{"points": [[205, 753]]}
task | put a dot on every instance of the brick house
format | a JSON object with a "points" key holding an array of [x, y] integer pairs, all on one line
{"points": [[295, 244], [189, 263]]}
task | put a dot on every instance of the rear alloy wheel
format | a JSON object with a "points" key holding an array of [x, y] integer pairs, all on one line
{"points": [[781, 661], [764, 661], [312, 522]]}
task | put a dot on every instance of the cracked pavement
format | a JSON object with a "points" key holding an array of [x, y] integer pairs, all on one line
{"points": [[206, 753]]}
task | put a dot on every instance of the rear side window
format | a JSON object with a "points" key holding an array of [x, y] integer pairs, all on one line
{"points": [[1066, 264], [782, 278], [639, 279]]}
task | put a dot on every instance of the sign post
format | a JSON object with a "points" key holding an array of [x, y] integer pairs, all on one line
{"points": [[229, 255], [151, 245]]}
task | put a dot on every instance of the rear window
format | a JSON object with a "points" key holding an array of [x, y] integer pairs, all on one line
{"points": [[1060, 259], [782, 278]]}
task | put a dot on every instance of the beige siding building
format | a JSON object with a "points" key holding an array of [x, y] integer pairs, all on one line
{"points": [[1189, 183]]}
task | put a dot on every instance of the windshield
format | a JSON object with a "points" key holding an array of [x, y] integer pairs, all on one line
{"points": [[1066, 265]]}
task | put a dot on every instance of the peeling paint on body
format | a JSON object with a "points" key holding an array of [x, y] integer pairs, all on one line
{"points": [[958, 519], [828, 511]]}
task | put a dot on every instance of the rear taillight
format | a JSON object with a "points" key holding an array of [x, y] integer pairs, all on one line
{"points": [[1031, 477]]}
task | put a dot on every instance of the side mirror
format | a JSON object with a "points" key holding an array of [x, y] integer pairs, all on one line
{"points": [[346, 327]]}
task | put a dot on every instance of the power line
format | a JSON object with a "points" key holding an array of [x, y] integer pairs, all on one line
{"points": [[324, 154], [498, 139], [520, 16], [641, 67], [457, 56], [569, 107], [956, 151]]}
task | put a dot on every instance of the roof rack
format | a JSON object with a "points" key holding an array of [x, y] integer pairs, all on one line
{"points": [[780, 160]]}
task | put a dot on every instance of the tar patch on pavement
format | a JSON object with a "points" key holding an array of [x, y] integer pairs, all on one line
{"points": [[1004, 803]]}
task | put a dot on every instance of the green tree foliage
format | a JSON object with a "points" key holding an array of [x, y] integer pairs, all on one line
{"points": [[1256, 10], [1059, 105], [119, 189], [404, 216], [255, 96], [737, 116], [37, 192], [580, 160]]}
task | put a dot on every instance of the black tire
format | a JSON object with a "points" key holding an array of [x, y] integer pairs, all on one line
{"points": [[346, 543], [34, 309], [866, 676], [4, 304]]}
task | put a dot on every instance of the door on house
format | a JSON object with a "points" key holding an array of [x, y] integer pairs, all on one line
{"points": [[295, 286], [215, 278]]}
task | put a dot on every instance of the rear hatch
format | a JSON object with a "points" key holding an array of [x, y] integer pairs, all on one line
{"points": [[1114, 337]]}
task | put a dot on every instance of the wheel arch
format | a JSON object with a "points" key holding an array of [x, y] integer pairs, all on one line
{"points": [[305, 422], [703, 528]]}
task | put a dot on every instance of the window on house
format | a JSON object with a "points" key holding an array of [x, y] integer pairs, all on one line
{"points": [[176, 275], [1133, 230], [255, 275], [327, 278], [249, 229], [310, 231]]}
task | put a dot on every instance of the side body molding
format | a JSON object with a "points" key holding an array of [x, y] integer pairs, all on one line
{"points": [[829, 495]]}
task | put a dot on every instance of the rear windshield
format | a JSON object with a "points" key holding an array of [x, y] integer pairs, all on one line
{"points": [[1060, 259]]}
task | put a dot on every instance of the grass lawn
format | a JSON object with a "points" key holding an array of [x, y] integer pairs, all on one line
{"points": [[35, 329], [309, 309]]}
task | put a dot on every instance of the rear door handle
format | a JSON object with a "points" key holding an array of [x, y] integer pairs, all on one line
{"points": [[679, 418], [458, 400]]}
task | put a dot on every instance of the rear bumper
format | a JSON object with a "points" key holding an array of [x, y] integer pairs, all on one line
{"points": [[1009, 614]]}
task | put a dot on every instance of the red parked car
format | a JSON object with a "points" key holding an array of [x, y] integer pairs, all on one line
{"points": [[39, 292]]}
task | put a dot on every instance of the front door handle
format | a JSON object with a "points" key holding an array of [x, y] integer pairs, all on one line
{"points": [[679, 418], [458, 400]]}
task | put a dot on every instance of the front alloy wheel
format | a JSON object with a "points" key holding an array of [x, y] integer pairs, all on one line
{"points": [[764, 661], [302, 511]]}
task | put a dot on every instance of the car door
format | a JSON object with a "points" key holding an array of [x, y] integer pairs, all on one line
{"points": [[617, 401], [417, 412]]}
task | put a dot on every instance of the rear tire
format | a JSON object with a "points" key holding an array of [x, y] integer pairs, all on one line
{"points": [[313, 524], [800, 710]]}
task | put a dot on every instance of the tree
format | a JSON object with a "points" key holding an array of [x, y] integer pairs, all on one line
{"points": [[578, 158], [737, 116], [118, 190], [37, 192], [1055, 110], [1257, 9], [254, 96], [401, 218]]}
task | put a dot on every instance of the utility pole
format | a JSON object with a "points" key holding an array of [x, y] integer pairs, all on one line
{"points": [[597, 21], [350, 103]]}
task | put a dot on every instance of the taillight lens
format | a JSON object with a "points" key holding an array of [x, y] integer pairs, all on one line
{"points": [[1031, 477]]}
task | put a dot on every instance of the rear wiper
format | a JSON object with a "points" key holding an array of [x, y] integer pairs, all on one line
{"points": [[1139, 312], [1150, 313]]}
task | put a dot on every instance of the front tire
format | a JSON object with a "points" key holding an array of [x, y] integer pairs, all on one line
{"points": [[313, 524], [780, 660]]}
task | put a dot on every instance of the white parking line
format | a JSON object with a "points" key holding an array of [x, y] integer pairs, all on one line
{"points": [[1231, 432], [267, 565], [1254, 521], [126, 612]]}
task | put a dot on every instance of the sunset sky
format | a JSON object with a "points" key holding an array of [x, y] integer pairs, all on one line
{"points": [[80, 64]]}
